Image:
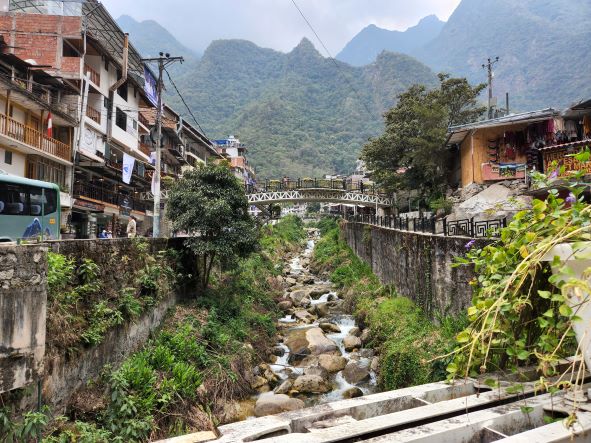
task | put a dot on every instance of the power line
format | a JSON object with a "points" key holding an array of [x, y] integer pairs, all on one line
{"points": [[184, 102], [371, 114]]}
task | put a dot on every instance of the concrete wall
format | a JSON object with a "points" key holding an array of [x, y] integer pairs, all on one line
{"points": [[418, 265], [23, 302]]}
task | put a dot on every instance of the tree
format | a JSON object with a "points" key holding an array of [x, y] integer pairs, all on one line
{"points": [[411, 153], [209, 204]]}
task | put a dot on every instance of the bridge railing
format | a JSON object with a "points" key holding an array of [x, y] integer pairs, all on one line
{"points": [[432, 225], [314, 183]]}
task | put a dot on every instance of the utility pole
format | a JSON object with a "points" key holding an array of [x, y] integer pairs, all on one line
{"points": [[163, 61], [489, 66]]}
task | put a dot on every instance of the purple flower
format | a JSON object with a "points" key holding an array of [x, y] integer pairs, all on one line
{"points": [[571, 198], [469, 245], [554, 174]]}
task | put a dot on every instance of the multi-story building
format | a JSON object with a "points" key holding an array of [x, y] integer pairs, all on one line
{"points": [[235, 152], [37, 123], [105, 84]]}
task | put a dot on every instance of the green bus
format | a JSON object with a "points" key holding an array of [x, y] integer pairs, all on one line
{"points": [[29, 209]]}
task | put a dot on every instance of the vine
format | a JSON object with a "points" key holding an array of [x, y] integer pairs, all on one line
{"points": [[523, 313]]}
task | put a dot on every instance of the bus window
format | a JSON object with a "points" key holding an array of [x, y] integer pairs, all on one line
{"points": [[14, 200], [38, 201]]}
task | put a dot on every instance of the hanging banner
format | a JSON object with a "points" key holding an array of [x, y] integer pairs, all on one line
{"points": [[153, 189], [128, 162], [150, 87]]}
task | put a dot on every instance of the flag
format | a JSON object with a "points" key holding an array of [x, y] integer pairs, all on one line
{"points": [[128, 162], [49, 126]]}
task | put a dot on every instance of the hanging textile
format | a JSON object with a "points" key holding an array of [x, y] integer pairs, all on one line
{"points": [[128, 162], [587, 126]]}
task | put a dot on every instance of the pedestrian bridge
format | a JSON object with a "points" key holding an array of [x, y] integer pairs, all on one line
{"points": [[305, 190]]}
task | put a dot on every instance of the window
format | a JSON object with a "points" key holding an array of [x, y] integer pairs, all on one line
{"points": [[8, 157], [42, 201], [134, 124], [121, 119], [40, 168], [14, 200], [122, 91]]}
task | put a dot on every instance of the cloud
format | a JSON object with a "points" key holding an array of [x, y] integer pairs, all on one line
{"points": [[276, 23]]}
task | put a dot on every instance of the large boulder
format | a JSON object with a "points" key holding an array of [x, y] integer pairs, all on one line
{"points": [[329, 327], [311, 384], [356, 371], [350, 342], [317, 370], [322, 309], [285, 305], [298, 296], [310, 341], [355, 331], [318, 291], [284, 387], [304, 316], [332, 363], [271, 404], [290, 281]]}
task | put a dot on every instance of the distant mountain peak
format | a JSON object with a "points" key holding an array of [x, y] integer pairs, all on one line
{"points": [[372, 40], [305, 45]]}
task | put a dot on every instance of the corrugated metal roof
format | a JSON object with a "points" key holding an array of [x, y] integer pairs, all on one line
{"points": [[524, 117]]}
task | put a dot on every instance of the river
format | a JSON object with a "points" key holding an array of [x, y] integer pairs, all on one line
{"points": [[320, 356]]}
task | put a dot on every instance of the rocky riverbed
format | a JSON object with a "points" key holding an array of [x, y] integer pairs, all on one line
{"points": [[320, 356]]}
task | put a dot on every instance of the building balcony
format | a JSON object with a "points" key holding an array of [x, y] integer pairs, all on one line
{"points": [[145, 149], [107, 196], [31, 141], [93, 74], [93, 114]]}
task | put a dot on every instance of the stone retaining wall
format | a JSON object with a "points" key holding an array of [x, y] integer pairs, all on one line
{"points": [[23, 300], [418, 265]]}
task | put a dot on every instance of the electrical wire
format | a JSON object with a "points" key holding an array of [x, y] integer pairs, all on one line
{"points": [[184, 102], [371, 114]]}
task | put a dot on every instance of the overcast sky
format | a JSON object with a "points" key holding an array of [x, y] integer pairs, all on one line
{"points": [[276, 23]]}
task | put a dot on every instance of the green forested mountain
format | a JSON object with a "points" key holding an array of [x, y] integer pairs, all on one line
{"points": [[300, 114], [543, 46]]}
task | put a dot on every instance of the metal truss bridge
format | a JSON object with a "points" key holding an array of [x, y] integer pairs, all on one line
{"points": [[316, 190]]}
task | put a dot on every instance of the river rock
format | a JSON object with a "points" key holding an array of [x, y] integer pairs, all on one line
{"points": [[330, 327], [298, 296], [375, 364], [353, 392], [310, 384], [306, 302], [290, 281], [278, 351], [366, 353], [317, 370], [308, 280], [284, 387], [332, 363], [365, 336], [317, 292], [355, 331], [322, 309], [350, 342], [304, 316], [285, 305], [319, 343], [311, 341], [271, 404], [356, 372], [258, 381]]}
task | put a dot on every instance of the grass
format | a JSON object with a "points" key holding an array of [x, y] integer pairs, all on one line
{"points": [[404, 338]]}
